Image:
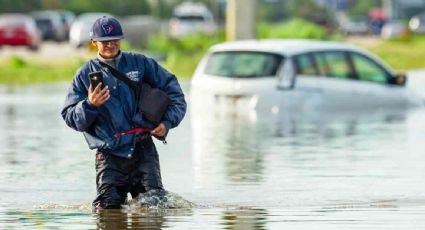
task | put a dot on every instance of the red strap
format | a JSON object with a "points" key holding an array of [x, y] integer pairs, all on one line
{"points": [[135, 130]]}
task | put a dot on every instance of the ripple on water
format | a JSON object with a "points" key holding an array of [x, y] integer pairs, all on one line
{"points": [[151, 200], [160, 199]]}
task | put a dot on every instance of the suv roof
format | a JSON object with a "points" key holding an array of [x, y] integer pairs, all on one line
{"points": [[291, 47], [286, 47]]}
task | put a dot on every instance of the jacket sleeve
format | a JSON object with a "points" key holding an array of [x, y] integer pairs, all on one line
{"points": [[77, 112], [164, 80]]}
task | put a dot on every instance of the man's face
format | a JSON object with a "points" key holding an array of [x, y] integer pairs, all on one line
{"points": [[108, 49]]}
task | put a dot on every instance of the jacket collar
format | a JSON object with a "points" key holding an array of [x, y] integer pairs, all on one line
{"points": [[112, 61]]}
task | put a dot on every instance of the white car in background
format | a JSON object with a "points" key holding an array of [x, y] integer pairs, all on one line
{"points": [[393, 29], [190, 18], [50, 24], [79, 34], [298, 74]]}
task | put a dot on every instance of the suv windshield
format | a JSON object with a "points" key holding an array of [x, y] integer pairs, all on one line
{"points": [[243, 64]]}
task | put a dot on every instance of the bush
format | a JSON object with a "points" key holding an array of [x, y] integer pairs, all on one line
{"points": [[296, 28], [190, 44], [17, 62], [182, 54], [20, 71]]}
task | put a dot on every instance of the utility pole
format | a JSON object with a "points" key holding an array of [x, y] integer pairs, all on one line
{"points": [[241, 19], [388, 7]]}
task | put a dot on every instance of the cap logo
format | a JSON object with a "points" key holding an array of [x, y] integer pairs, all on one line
{"points": [[107, 28]]}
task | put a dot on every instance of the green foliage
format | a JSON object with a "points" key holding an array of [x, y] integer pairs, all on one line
{"points": [[190, 44], [182, 54], [160, 44], [16, 61], [19, 5], [296, 28], [303, 8], [158, 8], [20, 71], [272, 11], [402, 54], [363, 7], [309, 10], [182, 65], [125, 45], [122, 7]]}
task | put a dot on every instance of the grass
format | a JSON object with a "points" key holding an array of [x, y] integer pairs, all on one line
{"points": [[295, 28], [182, 66], [17, 70], [400, 54]]}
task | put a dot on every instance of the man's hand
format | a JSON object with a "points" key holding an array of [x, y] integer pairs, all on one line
{"points": [[98, 97], [160, 130]]}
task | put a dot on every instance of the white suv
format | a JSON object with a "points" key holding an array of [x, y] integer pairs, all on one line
{"points": [[298, 74]]}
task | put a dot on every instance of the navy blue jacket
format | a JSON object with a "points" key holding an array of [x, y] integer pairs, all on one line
{"points": [[119, 113]]}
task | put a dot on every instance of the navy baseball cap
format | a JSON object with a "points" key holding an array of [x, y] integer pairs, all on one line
{"points": [[106, 28]]}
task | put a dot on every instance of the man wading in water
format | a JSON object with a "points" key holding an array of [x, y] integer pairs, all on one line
{"points": [[126, 158]]}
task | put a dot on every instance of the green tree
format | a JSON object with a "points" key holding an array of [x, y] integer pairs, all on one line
{"points": [[52, 4], [122, 7], [272, 11], [22, 6], [308, 9], [361, 7]]}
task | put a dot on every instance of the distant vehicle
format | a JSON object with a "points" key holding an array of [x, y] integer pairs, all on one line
{"points": [[138, 28], [19, 30], [417, 23], [49, 22], [298, 74], [67, 18], [79, 34], [393, 29], [355, 26], [189, 18]]}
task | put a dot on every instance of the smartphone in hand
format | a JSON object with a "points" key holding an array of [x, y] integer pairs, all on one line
{"points": [[96, 78]]}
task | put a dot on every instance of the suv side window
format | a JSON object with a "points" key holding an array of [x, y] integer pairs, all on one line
{"points": [[334, 64], [368, 70], [305, 65]]}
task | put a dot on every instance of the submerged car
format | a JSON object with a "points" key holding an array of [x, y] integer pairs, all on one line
{"points": [[303, 74]]}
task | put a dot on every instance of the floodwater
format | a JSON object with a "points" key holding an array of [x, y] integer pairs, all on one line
{"points": [[239, 170]]}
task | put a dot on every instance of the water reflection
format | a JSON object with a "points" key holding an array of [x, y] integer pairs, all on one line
{"points": [[244, 219], [45, 219], [9, 140], [117, 219], [231, 139], [238, 140], [331, 124]]}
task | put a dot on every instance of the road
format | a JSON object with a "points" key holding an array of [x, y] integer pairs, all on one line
{"points": [[47, 50]]}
